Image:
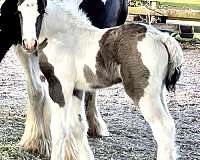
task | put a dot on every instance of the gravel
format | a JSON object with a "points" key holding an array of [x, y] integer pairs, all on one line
{"points": [[130, 136]]}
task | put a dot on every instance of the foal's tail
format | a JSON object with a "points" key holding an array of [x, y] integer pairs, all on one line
{"points": [[175, 56], [175, 60]]}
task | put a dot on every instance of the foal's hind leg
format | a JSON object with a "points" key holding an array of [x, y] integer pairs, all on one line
{"points": [[161, 122], [97, 126]]}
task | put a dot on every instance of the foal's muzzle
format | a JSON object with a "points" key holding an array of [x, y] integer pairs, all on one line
{"points": [[29, 45]]}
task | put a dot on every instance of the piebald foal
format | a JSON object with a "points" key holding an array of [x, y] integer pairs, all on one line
{"points": [[82, 57]]}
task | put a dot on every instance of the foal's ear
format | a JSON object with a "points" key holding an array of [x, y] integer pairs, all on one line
{"points": [[20, 2]]}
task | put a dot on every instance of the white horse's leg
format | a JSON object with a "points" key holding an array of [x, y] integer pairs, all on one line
{"points": [[97, 126], [79, 126], [162, 124], [36, 137]]}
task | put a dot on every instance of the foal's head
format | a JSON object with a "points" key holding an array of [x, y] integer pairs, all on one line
{"points": [[32, 12]]}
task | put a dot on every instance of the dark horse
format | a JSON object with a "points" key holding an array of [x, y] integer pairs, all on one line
{"points": [[105, 13], [10, 30]]}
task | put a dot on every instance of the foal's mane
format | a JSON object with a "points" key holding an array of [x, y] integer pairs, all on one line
{"points": [[71, 9]]}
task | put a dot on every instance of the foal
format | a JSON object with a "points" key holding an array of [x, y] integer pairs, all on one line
{"points": [[82, 57]]}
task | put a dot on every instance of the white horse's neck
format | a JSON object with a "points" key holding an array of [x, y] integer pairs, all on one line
{"points": [[65, 18], [74, 3]]}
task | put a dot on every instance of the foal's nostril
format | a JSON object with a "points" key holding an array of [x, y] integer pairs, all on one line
{"points": [[35, 45], [23, 43]]}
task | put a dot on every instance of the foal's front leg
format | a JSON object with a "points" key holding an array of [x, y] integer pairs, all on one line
{"points": [[69, 132], [97, 126], [60, 127], [79, 128], [58, 131]]}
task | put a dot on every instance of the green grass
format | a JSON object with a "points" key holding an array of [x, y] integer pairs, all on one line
{"points": [[179, 5]]}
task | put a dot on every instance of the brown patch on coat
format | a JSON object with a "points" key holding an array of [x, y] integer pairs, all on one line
{"points": [[118, 46], [135, 74], [78, 93], [42, 78], [106, 64], [55, 88], [102, 78]]}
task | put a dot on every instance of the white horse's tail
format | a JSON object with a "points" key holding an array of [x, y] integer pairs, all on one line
{"points": [[175, 60]]}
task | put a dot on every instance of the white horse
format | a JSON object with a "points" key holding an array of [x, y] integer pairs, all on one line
{"points": [[82, 57], [39, 140]]}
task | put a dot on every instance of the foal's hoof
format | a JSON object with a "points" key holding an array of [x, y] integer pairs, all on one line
{"points": [[96, 134], [98, 131]]}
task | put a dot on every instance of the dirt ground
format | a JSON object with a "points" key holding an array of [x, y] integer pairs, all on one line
{"points": [[130, 136]]}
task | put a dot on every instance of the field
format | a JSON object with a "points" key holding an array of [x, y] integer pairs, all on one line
{"points": [[130, 136]]}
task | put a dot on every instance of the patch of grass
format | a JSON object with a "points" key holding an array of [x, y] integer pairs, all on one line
{"points": [[179, 5]]}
